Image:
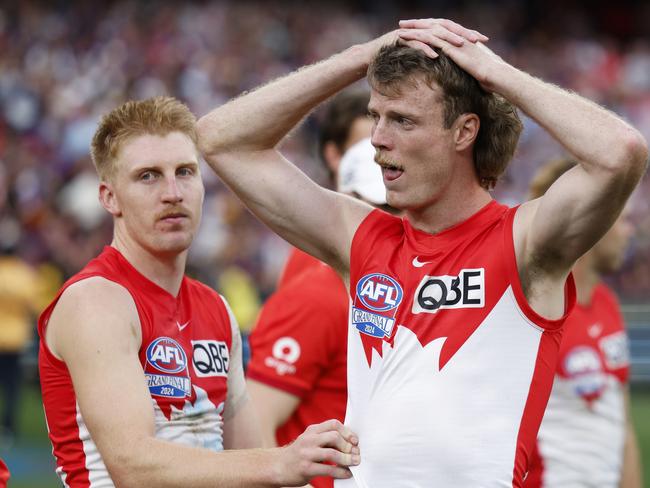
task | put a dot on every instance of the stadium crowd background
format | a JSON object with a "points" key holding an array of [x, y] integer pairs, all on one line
{"points": [[63, 64]]}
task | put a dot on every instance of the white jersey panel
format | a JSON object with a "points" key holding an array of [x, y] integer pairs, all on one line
{"points": [[197, 425], [581, 443], [97, 473], [417, 424]]}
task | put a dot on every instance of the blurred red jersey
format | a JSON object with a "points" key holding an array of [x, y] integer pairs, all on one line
{"points": [[580, 442], [299, 346], [297, 262]]}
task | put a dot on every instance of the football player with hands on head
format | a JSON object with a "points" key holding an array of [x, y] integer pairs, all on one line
{"points": [[456, 308]]}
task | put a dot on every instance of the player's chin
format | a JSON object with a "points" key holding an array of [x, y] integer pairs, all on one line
{"points": [[176, 243]]}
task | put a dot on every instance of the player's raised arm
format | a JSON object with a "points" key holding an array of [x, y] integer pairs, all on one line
{"points": [[579, 208], [95, 330], [239, 140]]}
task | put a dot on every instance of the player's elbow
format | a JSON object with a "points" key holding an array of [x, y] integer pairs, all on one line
{"points": [[208, 140], [638, 149], [634, 156], [127, 468]]}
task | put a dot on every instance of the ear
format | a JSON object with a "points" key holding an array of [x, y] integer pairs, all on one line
{"points": [[332, 156], [467, 126], [108, 199]]}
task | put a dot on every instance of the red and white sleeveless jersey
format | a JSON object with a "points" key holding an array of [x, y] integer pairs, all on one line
{"points": [[581, 439], [185, 355], [449, 369]]}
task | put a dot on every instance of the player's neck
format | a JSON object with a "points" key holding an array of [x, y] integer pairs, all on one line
{"points": [[451, 208], [165, 270], [586, 279]]}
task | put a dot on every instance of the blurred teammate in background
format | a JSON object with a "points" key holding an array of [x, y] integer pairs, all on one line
{"points": [[457, 307], [586, 437], [297, 373], [140, 366]]}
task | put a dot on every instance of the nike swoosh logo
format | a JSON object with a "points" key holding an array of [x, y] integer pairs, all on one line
{"points": [[182, 326], [417, 263]]}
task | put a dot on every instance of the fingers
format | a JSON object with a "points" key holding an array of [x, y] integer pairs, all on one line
{"points": [[326, 449], [334, 456], [421, 46], [455, 28], [417, 38], [336, 472], [334, 425], [335, 440]]}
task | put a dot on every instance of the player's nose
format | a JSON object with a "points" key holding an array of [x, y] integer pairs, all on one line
{"points": [[379, 136], [172, 192]]}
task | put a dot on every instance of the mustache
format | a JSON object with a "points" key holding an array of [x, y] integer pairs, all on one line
{"points": [[173, 212], [386, 162]]}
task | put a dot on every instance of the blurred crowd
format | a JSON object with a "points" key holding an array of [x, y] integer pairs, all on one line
{"points": [[63, 64]]}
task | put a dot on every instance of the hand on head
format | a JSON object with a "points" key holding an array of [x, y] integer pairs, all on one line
{"points": [[425, 34], [464, 46]]}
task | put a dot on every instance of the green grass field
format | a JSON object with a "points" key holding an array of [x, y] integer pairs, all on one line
{"points": [[32, 465]]}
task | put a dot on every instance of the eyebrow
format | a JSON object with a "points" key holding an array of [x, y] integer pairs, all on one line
{"points": [[392, 113], [156, 166]]}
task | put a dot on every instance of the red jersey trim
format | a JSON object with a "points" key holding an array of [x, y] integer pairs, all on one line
{"points": [[535, 470], [511, 263], [541, 381], [275, 383]]}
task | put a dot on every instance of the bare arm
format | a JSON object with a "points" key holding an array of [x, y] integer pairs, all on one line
{"points": [[241, 428], [273, 407], [239, 140], [95, 329], [631, 476]]}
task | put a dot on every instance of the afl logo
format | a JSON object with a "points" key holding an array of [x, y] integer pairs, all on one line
{"points": [[379, 292], [166, 355]]}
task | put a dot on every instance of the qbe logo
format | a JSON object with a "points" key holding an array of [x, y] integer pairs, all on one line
{"points": [[379, 292], [166, 355], [210, 358], [466, 290]]}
